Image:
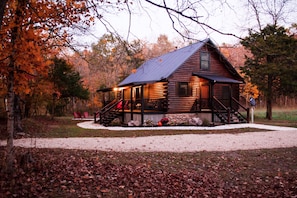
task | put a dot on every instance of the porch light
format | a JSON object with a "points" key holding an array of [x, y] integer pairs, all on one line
{"points": [[118, 88]]}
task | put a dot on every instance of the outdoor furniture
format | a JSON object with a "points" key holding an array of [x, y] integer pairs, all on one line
{"points": [[77, 115]]}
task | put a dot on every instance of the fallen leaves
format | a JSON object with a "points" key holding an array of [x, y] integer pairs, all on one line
{"points": [[73, 173]]}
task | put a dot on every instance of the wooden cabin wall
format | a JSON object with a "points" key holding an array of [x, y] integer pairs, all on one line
{"points": [[184, 74], [156, 90], [127, 93], [235, 91], [151, 91], [218, 90]]}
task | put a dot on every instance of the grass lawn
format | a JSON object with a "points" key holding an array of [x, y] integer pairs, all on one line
{"points": [[79, 173], [66, 127], [280, 117]]}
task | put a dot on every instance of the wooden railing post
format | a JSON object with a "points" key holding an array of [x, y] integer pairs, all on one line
{"points": [[229, 115], [246, 109], [248, 115]]}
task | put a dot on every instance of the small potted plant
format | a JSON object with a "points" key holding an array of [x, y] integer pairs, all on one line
{"points": [[164, 121]]}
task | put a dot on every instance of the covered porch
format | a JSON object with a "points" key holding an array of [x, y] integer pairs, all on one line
{"points": [[134, 102], [220, 96]]}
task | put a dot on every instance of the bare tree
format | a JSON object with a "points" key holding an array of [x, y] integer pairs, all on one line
{"points": [[184, 14], [274, 12]]}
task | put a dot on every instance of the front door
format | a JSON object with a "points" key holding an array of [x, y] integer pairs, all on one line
{"points": [[204, 96], [226, 96]]}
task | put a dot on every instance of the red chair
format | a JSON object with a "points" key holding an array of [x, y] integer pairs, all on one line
{"points": [[86, 114], [77, 115]]}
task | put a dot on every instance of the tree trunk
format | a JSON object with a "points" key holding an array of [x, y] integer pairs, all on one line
{"points": [[269, 98], [17, 115], [10, 121], [28, 105], [269, 109], [10, 89], [10, 97]]}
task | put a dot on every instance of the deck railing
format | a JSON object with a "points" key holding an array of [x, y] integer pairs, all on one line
{"points": [[150, 104], [242, 110], [98, 115], [228, 106]]}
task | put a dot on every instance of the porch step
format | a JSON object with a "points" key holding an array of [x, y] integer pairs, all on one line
{"points": [[235, 117], [109, 117]]}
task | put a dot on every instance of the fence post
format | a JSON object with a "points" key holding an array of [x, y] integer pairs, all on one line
{"points": [[228, 114], [252, 114], [248, 115]]}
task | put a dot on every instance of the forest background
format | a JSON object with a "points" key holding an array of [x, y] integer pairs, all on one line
{"points": [[51, 79], [104, 65]]}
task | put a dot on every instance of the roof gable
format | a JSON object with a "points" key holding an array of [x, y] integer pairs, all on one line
{"points": [[160, 68]]}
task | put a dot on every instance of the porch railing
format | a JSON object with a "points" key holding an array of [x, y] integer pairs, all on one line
{"points": [[151, 104], [202, 103], [242, 110], [234, 113], [223, 112], [227, 110], [99, 114]]}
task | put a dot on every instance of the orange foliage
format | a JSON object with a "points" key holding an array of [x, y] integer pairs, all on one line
{"points": [[235, 54], [32, 33]]}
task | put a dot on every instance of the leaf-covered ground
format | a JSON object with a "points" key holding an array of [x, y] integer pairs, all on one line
{"points": [[75, 173]]}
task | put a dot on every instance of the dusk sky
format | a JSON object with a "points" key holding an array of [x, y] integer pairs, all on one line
{"points": [[148, 22]]}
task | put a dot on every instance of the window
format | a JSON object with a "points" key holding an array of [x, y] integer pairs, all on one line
{"points": [[204, 60], [183, 89]]}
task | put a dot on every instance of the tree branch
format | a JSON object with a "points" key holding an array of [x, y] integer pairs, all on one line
{"points": [[188, 17]]}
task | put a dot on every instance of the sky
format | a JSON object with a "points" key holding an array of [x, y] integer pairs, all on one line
{"points": [[148, 22]]}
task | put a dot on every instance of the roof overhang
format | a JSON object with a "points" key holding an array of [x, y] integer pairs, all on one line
{"points": [[218, 79]]}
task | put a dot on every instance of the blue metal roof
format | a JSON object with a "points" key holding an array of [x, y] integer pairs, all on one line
{"points": [[160, 68]]}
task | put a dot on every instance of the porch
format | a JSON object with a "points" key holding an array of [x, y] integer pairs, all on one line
{"points": [[130, 110], [214, 109]]}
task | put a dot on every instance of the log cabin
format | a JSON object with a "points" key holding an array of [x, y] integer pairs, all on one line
{"points": [[193, 81]]}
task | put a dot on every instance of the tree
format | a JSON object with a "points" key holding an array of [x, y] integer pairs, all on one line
{"points": [[114, 59], [190, 17], [67, 82], [272, 64], [31, 31], [162, 46]]}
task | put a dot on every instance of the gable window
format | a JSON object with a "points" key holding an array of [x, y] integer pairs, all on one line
{"points": [[204, 61], [183, 89]]}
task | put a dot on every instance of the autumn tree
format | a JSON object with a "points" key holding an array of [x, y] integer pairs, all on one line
{"points": [[162, 46], [273, 63], [32, 31], [112, 59]]}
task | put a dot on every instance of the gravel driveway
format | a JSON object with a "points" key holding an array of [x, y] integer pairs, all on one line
{"points": [[280, 137]]}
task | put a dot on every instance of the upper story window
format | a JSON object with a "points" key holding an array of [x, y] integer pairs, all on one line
{"points": [[204, 61]]}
